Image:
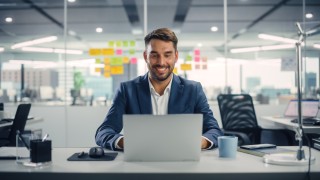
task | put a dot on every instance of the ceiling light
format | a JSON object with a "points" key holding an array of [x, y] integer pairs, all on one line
{"points": [[309, 15], [316, 46], [8, 19], [99, 30], [277, 47], [199, 44], [242, 50], [71, 1], [262, 48], [276, 38], [33, 42], [51, 50], [136, 31], [1, 49], [214, 28]]}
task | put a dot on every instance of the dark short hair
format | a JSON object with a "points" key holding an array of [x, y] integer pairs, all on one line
{"points": [[163, 34]]}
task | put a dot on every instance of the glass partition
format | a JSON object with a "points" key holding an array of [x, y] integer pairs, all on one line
{"points": [[83, 49]]}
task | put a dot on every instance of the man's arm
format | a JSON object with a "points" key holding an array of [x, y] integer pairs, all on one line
{"points": [[211, 129], [108, 131]]}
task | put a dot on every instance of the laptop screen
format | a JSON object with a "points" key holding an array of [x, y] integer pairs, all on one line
{"points": [[309, 108], [172, 137]]}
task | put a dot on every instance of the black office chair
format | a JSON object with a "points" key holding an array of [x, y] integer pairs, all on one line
{"points": [[239, 119], [19, 123]]}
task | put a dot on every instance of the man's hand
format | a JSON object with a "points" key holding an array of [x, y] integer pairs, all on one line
{"points": [[204, 143], [120, 143]]}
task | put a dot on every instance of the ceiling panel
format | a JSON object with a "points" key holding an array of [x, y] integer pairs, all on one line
{"points": [[249, 16]]}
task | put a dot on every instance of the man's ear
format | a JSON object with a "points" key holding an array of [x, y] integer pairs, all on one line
{"points": [[145, 56], [176, 56]]}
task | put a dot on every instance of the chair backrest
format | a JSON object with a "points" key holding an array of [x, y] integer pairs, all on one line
{"points": [[19, 122], [238, 114], [237, 111]]}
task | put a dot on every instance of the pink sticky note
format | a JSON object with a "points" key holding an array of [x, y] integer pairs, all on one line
{"points": [[133, 60], [197, 52], [119, 52], [197, 58]]}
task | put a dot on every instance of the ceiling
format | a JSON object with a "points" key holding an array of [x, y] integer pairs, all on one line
{"points": [[190, 19]]}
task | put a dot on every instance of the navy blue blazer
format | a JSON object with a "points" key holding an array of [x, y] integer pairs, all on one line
{"points": [[133, 97]]}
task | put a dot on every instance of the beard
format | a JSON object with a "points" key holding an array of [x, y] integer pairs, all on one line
{"points": [[160, 76]]}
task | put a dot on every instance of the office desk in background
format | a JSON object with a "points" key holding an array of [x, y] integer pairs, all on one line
{"points": [[210, 166], [29, 122], [282, 122]]}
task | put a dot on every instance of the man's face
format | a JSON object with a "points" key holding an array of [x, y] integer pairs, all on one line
{"points": [[160, 57]]}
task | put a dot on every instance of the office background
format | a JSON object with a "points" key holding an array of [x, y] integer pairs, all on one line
{"points": [[88, 47]]}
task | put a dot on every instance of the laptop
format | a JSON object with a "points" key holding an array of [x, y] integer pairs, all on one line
{"points": [[174, 137], [309, 108]]}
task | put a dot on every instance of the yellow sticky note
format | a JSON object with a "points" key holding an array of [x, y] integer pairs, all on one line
{"points": [[126, 60], [107, 74], [117, 70], [98, 70], [175, 70], [185, 67], [98, 60], [106, 61], [94, 52], [108, 51], [107, 68]]}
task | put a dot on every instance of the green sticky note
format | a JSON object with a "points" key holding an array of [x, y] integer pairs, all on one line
{"points": [[125, 43], [111, 43], [132, 43], [116, 61]]}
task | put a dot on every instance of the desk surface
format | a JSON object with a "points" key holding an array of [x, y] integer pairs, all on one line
{"points": [[287, 124], [210, 166]]}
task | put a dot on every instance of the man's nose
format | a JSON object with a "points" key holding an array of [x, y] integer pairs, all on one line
{"points": [[161, 60]]}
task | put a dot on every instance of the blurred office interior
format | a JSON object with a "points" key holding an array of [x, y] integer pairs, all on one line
{"points": [[67, 57]]}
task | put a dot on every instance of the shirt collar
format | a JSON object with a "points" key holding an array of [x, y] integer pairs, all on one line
{"points": [[168, 88]]}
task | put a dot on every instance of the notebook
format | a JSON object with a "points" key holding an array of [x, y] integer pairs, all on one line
{"points": [[309, 108], [175, 137]]}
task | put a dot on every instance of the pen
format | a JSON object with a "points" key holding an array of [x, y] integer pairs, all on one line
{"points": [[22, 139], [45, 137]]}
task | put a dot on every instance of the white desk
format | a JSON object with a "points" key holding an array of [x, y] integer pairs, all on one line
{"points": [[29, 122], [210, 167], [286, 123]]}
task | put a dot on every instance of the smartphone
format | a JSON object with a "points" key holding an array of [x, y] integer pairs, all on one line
{"points": [[258, 146]]}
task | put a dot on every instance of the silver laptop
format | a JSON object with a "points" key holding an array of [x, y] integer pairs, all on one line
{"points": [[175, 137], [309, 108]]}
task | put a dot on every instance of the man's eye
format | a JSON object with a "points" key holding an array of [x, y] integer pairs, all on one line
{"points": [[167, 55], [153, 56]]}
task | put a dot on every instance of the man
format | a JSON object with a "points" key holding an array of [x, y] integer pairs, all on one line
{"points": [[158, 92]]}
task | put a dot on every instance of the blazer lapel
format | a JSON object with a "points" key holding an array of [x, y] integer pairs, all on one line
{"points": [[175, 95], [144, 96]]}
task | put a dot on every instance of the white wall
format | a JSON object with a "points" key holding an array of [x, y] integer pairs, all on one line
{"points": [[75, 126]]}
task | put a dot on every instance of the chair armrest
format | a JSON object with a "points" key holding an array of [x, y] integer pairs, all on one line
{"points": [[243, 139]]}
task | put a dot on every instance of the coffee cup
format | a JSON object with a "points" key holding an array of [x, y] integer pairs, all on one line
{"points": [[227, 146]]}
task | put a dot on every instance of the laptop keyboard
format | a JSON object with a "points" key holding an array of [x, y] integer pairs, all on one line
{"points": [[308, 121]]}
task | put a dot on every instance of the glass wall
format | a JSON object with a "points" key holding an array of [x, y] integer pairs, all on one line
{"points": [[76, 52]]}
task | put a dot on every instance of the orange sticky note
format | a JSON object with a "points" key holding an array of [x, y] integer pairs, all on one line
{"points": [[185, 67], [117, 70]]}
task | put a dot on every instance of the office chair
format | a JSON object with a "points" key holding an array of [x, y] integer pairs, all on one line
{"points": [[239, 119], [19, 123]]}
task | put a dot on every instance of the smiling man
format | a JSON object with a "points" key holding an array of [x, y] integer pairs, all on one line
{"points": [[158, 92]]}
